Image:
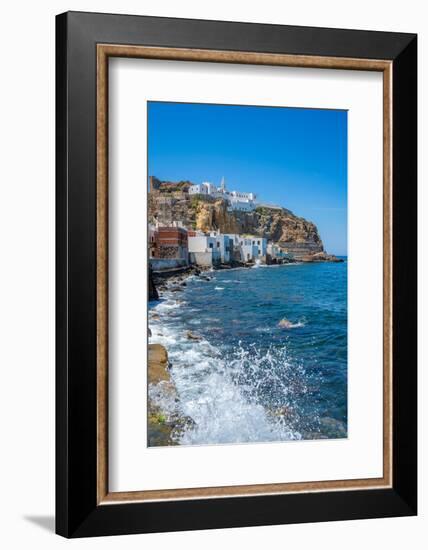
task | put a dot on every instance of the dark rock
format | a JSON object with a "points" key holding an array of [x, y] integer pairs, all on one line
{"points": [[191, 336], [153, 293]]}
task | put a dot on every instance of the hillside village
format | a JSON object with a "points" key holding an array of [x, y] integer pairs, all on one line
{"points": [[208, 226]]}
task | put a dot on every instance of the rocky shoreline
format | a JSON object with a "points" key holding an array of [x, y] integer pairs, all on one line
{"points": [[165, 427]]}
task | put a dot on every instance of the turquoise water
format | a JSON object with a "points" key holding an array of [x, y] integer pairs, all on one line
{"points": [[248, 379]]}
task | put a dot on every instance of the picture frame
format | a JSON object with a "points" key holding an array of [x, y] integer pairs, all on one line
{"points": [[84, 44]]}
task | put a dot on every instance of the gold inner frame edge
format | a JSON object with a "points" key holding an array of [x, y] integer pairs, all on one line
{"points": [[104, 51]]}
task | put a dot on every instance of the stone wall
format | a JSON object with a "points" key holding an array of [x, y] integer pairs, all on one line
{"points": [[160, 264]]}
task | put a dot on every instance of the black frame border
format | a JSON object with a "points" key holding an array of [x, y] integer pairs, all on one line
{"points": [[77, 512]]}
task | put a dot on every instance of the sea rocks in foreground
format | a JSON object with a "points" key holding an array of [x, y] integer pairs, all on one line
{"points": [[192, 336], [163, 427], [158, 364], [159, 429], [329, 428], [285, 323]]}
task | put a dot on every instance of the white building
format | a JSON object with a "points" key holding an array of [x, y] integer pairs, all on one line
{"points": [[249, 252], [204, 250], [238, 196], [248, 247], [276, 252], [261, 244], [273, 250], [216, 248], [243, 205], [222, 243], [206, 188], [237, 200]]}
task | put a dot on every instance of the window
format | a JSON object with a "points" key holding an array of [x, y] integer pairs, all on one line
{"points": [[211, 245], [218, 245]]}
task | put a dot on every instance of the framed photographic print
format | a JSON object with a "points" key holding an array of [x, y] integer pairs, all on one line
{"points": [[236, 274]]}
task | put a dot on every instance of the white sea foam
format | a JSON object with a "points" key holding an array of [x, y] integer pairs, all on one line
{"points": [[297, 325], [167, 306], [195, 321], [216, 392], [287, 325]]}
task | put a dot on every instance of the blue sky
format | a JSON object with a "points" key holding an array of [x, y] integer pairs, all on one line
{"points": [[293, 157]]}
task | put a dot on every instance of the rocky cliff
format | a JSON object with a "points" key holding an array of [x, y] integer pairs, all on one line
{"points": [[300, 237]]}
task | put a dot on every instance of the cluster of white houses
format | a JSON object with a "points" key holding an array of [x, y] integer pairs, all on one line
{"points": [[237, 200], [175, 246], [219, 248]]}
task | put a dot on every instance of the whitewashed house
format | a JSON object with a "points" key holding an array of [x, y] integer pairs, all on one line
{"points": [[276, 252], [261, 243], [242, 205], [247, 248], [273, 250], [237, 200], [206, 188], [249, 251], [222, 244], [234, 246], [204, 250], [238, 195]]}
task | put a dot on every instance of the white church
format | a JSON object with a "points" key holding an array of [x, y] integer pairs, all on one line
{"points": [[245, 202]]}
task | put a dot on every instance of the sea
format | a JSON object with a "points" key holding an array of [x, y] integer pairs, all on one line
{"points": [[269, 362]]}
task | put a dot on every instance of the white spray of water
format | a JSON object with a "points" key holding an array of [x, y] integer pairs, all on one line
{"points": [[220, 394]]}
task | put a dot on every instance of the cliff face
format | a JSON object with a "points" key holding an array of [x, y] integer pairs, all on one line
{"points": [[283, 227], [214, 215], [279, 225]]}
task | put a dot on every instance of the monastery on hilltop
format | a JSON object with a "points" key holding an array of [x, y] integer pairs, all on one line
{"points": [[245, 202]]}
